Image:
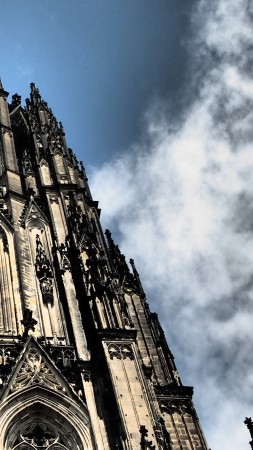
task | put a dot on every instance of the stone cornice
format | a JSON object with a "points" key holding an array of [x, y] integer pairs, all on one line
{"points": [[173, 390], [117, 335]]}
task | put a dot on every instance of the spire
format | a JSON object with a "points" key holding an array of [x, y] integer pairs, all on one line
{"points": [[137, 278], [35, 94], [121, 268], [3, 93]]}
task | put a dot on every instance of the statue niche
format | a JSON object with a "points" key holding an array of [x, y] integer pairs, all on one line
{"points": [[44, 273]]}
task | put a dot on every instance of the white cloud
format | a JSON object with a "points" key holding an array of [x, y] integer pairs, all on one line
{"points": [[182, 201]]}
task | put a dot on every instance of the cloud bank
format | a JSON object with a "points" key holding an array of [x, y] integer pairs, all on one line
{"points": [[181, 202]]}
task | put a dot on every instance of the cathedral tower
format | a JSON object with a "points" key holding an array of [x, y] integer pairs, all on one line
{"points": [[84, 364]]}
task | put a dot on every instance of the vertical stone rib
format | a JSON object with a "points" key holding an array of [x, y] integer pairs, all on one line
{"points": [[10, 291], [1, 307], [75, 315], [7, 292], [176, 431], [5, 320], [188, 433], [50, 314]]}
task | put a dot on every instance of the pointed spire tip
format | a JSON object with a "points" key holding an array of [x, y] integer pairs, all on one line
{"points": [[2, 90]]}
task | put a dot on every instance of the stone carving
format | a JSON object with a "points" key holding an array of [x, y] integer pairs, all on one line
{"points": [[74, 214], [172, 407], [145, 443], [16, 100], [28, 322], [4, 239], [176, 377], [120, 351], [8, 358], [162, 435], [26, 163], [103, 284], [66, 361], [126, 278], [64, 263], [115, 290], [6, 129], [34, 371], [53, 199], [44, 272], [38, 435], [32, 117]]}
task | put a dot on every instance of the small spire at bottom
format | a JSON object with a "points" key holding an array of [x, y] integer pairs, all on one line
{"points": [[249, 423]]}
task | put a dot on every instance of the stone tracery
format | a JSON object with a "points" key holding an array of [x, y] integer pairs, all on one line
{"points": [[34, 370], [38, 434]]}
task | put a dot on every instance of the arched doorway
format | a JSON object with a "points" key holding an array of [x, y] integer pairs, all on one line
{"points": [[38, 419]]}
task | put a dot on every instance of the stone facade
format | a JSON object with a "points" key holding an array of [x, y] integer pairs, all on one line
{"points": [[84, 364]]}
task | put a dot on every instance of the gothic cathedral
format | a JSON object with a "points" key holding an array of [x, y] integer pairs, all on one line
{"points": [[84, 364]]}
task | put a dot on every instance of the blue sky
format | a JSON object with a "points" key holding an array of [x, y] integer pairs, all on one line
{"points": [[98, 63], [156, 98]]}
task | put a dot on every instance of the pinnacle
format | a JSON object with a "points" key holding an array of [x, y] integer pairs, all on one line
{"points": [[3, 93]]}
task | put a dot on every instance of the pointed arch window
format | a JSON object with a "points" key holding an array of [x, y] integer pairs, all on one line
{"points": [[59, 162], [40, 422], [45, 172], [38, 435]]}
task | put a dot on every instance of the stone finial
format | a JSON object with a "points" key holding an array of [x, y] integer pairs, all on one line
{"points": [[28, 322], [249, 423], [3, 93]]}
